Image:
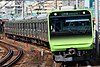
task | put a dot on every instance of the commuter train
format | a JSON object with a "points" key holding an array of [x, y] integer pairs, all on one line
{"points": [[68, 33]]}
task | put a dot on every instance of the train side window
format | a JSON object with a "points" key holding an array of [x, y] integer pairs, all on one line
{"points": [[31, 25], [16, 25], [37, 27], [24, 26], [46, 27], [41, 27], [20, 25], [27, 26], [34, 26], [11, 25]]}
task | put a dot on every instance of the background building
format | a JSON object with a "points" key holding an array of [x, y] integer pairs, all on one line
{"points": [[13, 9]]}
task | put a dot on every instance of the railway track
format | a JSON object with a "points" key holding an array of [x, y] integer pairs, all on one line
{"points": [[12, 56], [7, 55]]}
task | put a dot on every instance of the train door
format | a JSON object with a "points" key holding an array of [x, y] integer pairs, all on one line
{"points": [[24, 32], [17, 28], [26, 29], [1, 26], [12, 28], [20, 29], [46, 31], [37, 29], [31, 27], [34, 30], [42, 30]]}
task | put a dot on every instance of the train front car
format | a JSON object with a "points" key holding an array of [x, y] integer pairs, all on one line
{"points": [[71, 35]]}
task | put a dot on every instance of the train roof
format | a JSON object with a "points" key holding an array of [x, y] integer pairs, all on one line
{"points": [[39, 18]]}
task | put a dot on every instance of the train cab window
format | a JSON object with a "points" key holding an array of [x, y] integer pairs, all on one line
{"points": [[70, 24]]}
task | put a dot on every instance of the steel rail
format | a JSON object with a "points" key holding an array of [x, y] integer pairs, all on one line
{"points": [[7, 56], [17, 58], [19, 55]]}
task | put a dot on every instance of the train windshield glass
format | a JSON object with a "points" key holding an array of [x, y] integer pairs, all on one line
{"points": [[71, 25]]}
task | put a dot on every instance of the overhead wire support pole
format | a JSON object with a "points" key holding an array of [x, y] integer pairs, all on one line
{"points": [[23, 9], [97, 25], [56, 4], [77, 4]]}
